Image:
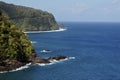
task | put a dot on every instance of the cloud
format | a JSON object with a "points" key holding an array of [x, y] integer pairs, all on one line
{"points": [[115, 1]]}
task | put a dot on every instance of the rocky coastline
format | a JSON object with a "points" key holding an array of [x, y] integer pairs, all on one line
{"points": [[16, 50], [9, 65]]}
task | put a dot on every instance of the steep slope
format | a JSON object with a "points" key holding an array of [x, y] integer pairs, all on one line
{"points": [[29, 19], [15, 47]]}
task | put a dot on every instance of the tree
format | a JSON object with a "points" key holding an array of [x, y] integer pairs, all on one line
{"points": [[14, 44]]}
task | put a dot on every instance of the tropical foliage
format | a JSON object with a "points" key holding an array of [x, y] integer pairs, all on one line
{"points": [[14, 44]]}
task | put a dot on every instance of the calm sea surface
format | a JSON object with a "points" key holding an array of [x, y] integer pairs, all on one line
{"points": [[95, 46]]}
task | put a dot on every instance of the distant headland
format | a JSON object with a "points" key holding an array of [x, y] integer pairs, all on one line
{"points": [[29, 19]]}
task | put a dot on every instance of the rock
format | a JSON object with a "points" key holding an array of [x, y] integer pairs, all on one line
{"points": [[15, 47], [59, 57], [9, 65], [41, 60], [21, 52], [33, 56], [36, 59]]}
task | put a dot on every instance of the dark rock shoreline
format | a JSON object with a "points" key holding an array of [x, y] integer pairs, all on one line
{"points": [[9, 65], [16, 50]]}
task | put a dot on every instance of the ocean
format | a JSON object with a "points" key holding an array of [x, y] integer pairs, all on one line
{"points": [[94, 49]]}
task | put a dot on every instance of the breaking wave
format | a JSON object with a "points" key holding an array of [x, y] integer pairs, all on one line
{"points": [[61, 29], [18, 69], [40, 64], [55, 61], [33, 42]]}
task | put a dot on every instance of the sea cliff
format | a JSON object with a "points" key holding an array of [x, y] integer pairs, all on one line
{"points": [[29, 19]]}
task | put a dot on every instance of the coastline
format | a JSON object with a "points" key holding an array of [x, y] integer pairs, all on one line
{"points": [[59, 30], [11, 66], [52, 61], [18, 69]]}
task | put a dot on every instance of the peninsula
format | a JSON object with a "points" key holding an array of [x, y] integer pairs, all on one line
{"points": [[29, 19], [16, 50]]}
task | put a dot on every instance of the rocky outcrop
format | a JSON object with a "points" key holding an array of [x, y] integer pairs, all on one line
{"points": [[16, 49], [59, 57], [36, 59], [9, 65]]}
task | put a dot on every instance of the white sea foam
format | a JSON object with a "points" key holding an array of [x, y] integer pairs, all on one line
{"points": [[59, 30], [3, 71], [71, 57], [42, 64], [55, 61], [21, 68], [18, 69], [33, 42]]}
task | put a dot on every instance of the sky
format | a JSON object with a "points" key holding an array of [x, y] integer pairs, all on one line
{"points": [[76, 10]]}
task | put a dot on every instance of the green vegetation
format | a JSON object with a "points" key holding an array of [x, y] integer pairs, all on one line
{"points": [[29, 19], [14, 44]]}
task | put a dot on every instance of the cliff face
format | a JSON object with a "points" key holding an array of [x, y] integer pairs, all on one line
{"points": [[29, 19]]}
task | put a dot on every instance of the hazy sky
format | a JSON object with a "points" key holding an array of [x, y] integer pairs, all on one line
{"points": [[76, 10]]}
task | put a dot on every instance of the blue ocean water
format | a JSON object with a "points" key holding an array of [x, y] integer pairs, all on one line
{"points": [[95, 46]]}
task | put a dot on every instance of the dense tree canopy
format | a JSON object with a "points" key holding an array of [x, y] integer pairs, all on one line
{"points": [[14, 44]]}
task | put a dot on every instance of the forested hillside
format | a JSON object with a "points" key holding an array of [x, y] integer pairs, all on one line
{"points": [[29, 19], [14, 44]]}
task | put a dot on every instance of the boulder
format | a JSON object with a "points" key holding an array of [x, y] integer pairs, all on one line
{"points": [[9, 65], [59, 57], [41, 60], [36, 59]]}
